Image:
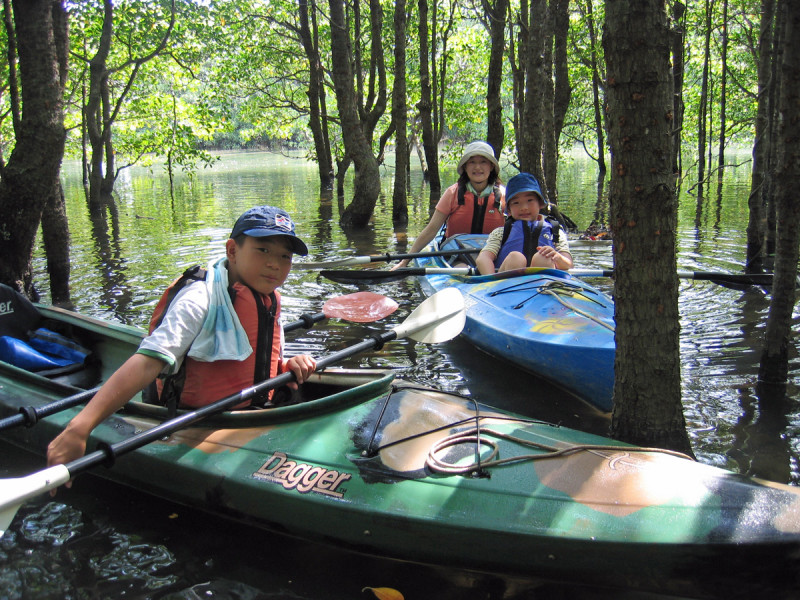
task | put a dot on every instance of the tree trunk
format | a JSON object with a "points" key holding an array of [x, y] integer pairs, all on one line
{"points": [[33, 168], [495, 133], [516, 58], [702, 111], [531, 56], [400, 118], [55, 237], [678, 39], [647, 390], [547, 116], [562, 89], [366, 185], [97, 110], [55, 227], [723, 93], [102, 107], [597, 102], [774, 367], [425, 106], [11, 57], [768, 251], [759, 178], [317, 120]]}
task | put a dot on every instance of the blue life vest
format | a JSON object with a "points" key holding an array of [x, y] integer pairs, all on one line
{"points": [[525, 237]]}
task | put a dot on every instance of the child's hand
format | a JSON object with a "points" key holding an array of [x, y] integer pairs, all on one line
{"points": [[559, 260], [302, 366], [403, 263], [548, 252], [68, 446]]}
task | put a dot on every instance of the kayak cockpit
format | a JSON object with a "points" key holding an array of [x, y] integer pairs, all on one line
{"points": [[323, 392]]}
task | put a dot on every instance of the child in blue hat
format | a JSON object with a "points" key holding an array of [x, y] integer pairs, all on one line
{"points": [[528, 239], [218, 334]]}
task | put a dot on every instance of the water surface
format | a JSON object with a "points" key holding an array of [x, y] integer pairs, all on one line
{"points": [[100, 541]]}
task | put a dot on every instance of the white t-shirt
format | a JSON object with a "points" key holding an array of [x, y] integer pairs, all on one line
{"points": [[171, 340]]}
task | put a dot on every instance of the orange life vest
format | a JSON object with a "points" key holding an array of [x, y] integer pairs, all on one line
{"points": [[199, 383], [476, 214]]}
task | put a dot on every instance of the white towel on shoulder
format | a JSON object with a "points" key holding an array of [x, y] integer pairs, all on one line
{"points": [[222, 336]]}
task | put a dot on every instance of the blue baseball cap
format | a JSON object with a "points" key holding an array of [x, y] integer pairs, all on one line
{"points": [[523, 182], [264, 221]]}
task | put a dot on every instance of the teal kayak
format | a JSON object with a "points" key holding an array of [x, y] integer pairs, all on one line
{"points": [[543, 320], [372, 464]]}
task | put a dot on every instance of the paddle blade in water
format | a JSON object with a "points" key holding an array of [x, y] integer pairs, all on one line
{"points": [[15, 491], [361, 307]]}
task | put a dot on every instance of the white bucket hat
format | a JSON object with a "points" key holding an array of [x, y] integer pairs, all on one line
{"points": [[478, 149]]}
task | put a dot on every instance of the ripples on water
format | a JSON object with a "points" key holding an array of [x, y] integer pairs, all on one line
{"points": [[109, 543]]}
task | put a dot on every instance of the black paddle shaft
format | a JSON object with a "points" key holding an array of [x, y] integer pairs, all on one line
{"points": [[108, 453], [391, 257], [30, 415]]}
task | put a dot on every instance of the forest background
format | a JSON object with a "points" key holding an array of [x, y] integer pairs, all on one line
{"points": [[663, 88]]}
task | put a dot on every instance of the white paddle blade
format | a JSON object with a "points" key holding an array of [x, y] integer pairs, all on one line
{"points": [[440, 318], [15, 491]]}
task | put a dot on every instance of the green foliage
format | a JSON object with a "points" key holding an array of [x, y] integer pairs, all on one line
{"points": [[234, 74]]}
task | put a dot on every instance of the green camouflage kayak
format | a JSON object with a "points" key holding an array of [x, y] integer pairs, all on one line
{"points": [[375, 465]]}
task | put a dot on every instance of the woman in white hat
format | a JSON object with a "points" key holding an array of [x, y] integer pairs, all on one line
{"points": [[474, 204]]}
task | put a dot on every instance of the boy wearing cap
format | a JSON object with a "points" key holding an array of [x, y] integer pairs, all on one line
{"points": [[474, 204], [527, 239], [214, 328]]}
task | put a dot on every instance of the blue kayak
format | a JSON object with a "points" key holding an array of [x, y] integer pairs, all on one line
{"points": [[543, 320]]}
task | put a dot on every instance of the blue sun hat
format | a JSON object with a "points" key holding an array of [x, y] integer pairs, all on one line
{"points": [[524, 182], [264, 221]]}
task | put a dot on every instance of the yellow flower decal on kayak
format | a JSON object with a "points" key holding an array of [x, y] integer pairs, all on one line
{"points": [[560, 326], [384, 593]]}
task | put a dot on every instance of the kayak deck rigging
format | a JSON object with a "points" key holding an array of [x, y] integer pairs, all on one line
{"points": [[469, 437]]}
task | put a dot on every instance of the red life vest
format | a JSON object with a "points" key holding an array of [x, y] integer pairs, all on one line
{"points": [[199, 383], [476, 214]]}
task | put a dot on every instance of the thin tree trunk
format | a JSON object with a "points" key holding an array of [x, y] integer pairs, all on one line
{"points": [[644, 217], [547, 116], [531, 137], [678, 38], [599, 127], [517, 52], [11, 57], [723, 92], [759, 179], [399, 116], [425, 106], [772, 150], [495, 133], [702, 111], [562, 89], [316, 92]]}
